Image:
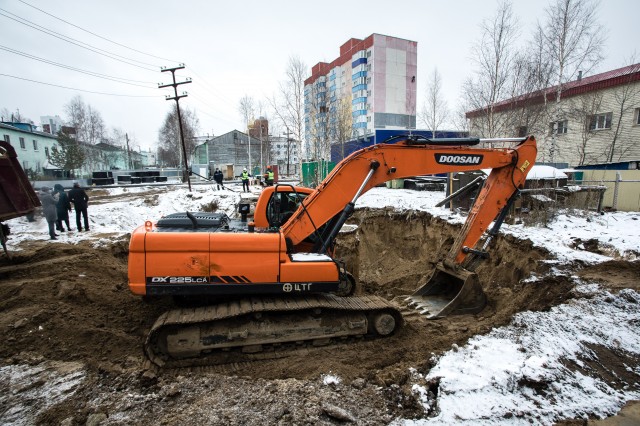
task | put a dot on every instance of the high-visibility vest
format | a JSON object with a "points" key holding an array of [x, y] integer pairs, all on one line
{"points": [[245, 176], [270, 175]]}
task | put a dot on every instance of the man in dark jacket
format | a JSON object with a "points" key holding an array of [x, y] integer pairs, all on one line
{"points": [[217, 176], [80, 202], [63, 207]]}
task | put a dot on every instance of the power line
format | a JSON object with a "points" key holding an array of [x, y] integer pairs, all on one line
{"points": [[79, 90], [75, 42], [209, 88], [91, 73], [201, 79], [202, 101], [94, 34]]}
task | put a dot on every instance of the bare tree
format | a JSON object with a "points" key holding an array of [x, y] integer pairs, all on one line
{"points": [[76, 112], [288, 104], [247, 109], [170, 149], [89, 127], [341, 122], [435, 111], [317, 128], [572, 39], [15, 116], [580, 110], [493, 55]]}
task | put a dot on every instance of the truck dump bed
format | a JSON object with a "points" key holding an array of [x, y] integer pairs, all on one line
{"points": [[17, 197]]}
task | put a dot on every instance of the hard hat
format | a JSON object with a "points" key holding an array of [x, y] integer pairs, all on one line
{"points": [[245, 169]]}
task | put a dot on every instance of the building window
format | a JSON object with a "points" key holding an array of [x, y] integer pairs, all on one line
{"points": [[558, 127], [522, 131], [35, 145], [600, 121], [637, 117], [368, 53], [7, 139], [22, 145], [46, 151]]}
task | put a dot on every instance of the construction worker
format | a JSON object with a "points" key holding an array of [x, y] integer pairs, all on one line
{"points": [[218, 177], [245, 180], [269, 175]]}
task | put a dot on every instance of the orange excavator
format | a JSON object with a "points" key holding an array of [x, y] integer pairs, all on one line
{"points": [[273, 285]]}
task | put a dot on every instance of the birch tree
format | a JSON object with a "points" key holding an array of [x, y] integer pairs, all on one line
{"points": [[493, 56], [288, 103], [435, 111], [572, 38], [247, 110]]}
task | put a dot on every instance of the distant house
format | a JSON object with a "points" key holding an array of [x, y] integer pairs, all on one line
{"points": [[32, 146], [231, 153], [228, 150], [596, 120]]}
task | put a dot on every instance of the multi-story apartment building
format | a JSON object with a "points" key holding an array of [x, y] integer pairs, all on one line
{"points": [[51, 124], [371, 85], [595, 120]]}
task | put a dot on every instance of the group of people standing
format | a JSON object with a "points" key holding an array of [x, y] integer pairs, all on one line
{"points": [[57, 205], [244, 177]]}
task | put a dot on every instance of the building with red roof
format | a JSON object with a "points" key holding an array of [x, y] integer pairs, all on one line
{"points": [[595, 119]]}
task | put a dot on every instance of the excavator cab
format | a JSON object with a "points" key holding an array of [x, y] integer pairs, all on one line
{"points": [[281, 207]]}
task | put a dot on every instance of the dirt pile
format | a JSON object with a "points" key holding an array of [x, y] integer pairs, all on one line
{"points": [[68, 318]]}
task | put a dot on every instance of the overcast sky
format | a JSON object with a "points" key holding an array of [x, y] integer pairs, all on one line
{"points": [[233, 49]]}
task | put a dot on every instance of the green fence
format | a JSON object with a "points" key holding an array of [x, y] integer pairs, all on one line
{"points": [[314, 172]]}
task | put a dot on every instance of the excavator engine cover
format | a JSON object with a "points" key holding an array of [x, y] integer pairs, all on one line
{"points": [[449, 291]]}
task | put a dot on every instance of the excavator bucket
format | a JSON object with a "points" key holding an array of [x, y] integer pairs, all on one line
{"points": [[449, 291]]}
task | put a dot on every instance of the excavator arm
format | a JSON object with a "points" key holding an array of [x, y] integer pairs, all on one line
{"points": [[334, 199]]}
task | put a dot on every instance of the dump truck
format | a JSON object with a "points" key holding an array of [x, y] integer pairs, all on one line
{"points": [[17, 197], [273, 284]]}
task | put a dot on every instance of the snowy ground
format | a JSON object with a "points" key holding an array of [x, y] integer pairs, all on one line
{"points": [[478, 383]]}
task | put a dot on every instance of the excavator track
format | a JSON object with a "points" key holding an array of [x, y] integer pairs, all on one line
{"points": [[254, 329]]}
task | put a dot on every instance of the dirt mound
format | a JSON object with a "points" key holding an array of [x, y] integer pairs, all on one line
{"points": [[65, 302]]}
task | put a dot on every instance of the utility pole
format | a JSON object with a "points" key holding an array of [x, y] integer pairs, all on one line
{"points": [[126, 137], [177, 97]]}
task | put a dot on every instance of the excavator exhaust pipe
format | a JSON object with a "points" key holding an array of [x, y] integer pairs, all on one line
{"points": [[449, 291]]}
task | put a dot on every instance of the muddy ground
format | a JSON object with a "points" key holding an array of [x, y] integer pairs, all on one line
{"points": [[72, 336]]}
